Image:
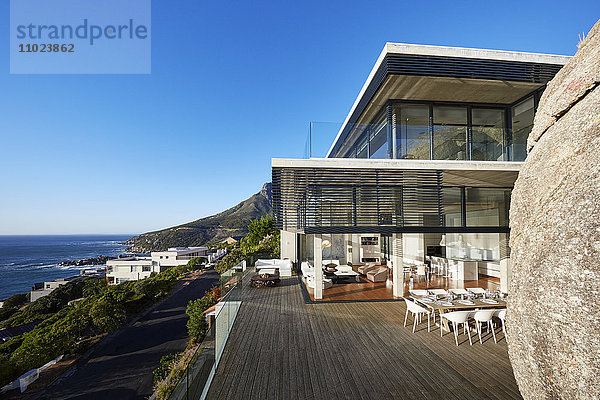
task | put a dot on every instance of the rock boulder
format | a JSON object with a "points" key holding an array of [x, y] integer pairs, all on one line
{"points": [[553, 318]]}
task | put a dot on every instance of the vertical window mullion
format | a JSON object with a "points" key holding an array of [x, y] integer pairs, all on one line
{"points": [[431, 131], [469, 133]]}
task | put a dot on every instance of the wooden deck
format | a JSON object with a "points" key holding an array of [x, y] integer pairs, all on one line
{"points": [[369, 291], [282, 348]]}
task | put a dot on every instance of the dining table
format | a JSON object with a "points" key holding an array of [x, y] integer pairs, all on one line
{"points": [[445, 305]]}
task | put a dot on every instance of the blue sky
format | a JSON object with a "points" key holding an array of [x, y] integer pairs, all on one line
{"points": [[233, 84]]}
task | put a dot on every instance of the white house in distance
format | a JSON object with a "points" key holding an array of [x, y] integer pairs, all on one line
{"points": [[136, 268]]}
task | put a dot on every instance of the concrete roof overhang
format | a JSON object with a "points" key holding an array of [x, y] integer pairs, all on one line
{"points": [[454, 173], [448, 74]]}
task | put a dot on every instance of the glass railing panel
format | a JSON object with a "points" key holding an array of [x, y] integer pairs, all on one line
{"points": [[319, 138], [198, 374], [414, 139]]}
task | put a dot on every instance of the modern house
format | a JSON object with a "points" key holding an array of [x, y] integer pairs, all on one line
{"points": [[420, 172], [136, 268], [42, 289]]}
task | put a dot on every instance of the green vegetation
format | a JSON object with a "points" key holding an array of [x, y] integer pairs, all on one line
{"points": [[172, 366], [164, 367], [67, 329], [12, 305], [196, 325], [48, 305], [262, 241]]}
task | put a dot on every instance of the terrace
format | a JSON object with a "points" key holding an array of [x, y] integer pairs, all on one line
{"points": [[283, 347]]}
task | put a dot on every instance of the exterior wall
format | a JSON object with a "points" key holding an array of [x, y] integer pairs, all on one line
{"points": [[135, 268], [37, 294], [178, 256], [131, 269], [46, 289]]}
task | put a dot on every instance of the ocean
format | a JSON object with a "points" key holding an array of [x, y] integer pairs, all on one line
{"points": [[25, 260]]}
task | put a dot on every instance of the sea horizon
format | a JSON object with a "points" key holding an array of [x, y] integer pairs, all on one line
{"points": [[28, 259]]}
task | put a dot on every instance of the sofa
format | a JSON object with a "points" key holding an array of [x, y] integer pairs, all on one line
{"points": [[284, 266], [366, 268], [307, 269], [378, 275]]}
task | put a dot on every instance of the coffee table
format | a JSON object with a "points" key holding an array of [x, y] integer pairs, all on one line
{"points": [[268, 280]]}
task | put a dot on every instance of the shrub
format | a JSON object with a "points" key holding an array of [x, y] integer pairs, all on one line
{"points": [[16, 300], [93, 286], [164, 366], [107, 315], [229, 261], [7, 312], [66, 329], [196, 263], [195, 310]]}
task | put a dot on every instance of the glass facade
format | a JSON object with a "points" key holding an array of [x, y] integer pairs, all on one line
{"points": [[522, 122], [410, 131], [426, 130], [488, 134], [487, 206], [378, 138], [449, 133], [452, 206]]}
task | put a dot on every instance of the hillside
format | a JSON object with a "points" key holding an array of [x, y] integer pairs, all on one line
{"points": [[231, 222]]}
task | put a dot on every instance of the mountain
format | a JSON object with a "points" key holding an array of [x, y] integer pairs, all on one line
{"points": [[231, 222]]}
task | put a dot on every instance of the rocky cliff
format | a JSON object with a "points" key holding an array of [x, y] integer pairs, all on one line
{"points": [[231, 222], [554, 308]]}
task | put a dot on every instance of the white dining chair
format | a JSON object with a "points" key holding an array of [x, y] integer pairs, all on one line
{"points": [[501, 314], [457, 317], [458, 292], [421, 270], [417, 311], [484, 316]]}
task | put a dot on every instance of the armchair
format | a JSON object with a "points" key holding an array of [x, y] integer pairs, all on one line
{"points": [[378, 275]]}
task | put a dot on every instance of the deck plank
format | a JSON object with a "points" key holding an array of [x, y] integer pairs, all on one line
{"points": [[280, 347]]}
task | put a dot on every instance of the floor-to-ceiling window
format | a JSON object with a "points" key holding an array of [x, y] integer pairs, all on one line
{"points": [[452, 206], [378, 146], [362, 149], [487, 206], [411, 131], [445, 131], [449, 133], [488, 133], [522, 122]]}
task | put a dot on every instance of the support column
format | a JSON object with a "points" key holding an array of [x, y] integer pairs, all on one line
{"points": [[355, 249], [505, 264], [288, 245], [318, 264], [398, 265]]}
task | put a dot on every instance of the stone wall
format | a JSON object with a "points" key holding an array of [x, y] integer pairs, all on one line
{"points": [[553, 318]]}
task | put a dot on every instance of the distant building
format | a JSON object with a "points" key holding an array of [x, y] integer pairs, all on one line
{"points": [[42, 289], [232, 239], [214, 256], [136, 268], [45, 288]]}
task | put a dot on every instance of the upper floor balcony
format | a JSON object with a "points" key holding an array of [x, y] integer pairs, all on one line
{"points": [[421, 130]]}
